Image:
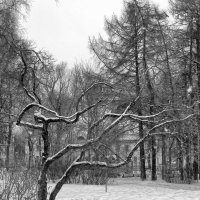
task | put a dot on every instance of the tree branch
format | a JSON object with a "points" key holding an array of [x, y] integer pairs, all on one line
{"points": [[94, 141], [30, 125], [23, 76], [64, 178], [87, 90], [88, 143]]}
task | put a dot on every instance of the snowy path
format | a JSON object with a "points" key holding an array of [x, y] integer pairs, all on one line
{"points": [[131, 189]]}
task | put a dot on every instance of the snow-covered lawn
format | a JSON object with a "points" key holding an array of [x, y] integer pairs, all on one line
{"points": [[131, 189]]}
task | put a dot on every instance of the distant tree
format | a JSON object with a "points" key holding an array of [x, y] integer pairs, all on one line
{"points": [[186, 14], [134, 57], [10, 12]]}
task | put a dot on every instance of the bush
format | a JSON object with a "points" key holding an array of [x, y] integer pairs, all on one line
{"points": [[94, 177], [18, 185]]}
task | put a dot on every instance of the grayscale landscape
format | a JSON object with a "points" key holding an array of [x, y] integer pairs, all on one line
{"points": [[100, 100]]}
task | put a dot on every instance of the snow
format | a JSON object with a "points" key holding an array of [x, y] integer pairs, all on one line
{"points": [[129, 189]]}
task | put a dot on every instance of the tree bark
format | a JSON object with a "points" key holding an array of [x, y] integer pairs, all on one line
{"points": [[142, 154], [181, 164], [42, 185], [163, 157], [9, 131], [30, 157], [8, 145], [153, 149], [139, 112], [151, 107], [42, 181], [188, 164], [60, 183]]}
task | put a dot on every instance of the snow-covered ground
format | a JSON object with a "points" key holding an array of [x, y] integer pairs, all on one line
{"points": [[131, 189]]}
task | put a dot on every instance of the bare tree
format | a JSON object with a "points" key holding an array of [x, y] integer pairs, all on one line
{"points": [[43, 117]]}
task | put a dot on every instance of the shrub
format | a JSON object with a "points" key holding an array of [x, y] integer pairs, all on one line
{"points": [[18, 185]]}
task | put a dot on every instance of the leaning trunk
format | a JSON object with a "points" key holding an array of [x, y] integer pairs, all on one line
{"points": [[42, 185]]}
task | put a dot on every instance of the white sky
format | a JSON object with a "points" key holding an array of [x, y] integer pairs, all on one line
{"points": [[63, 28]]}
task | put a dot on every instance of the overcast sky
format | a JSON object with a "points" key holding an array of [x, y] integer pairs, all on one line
{"points": [[63, 28]]}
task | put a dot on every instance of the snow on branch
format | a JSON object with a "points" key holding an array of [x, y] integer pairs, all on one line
{"points": [[92, 165], [171, 121], [29, 125], [142, 118], [39, 117], [89, 142], [71, 119], [102, 135]]}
